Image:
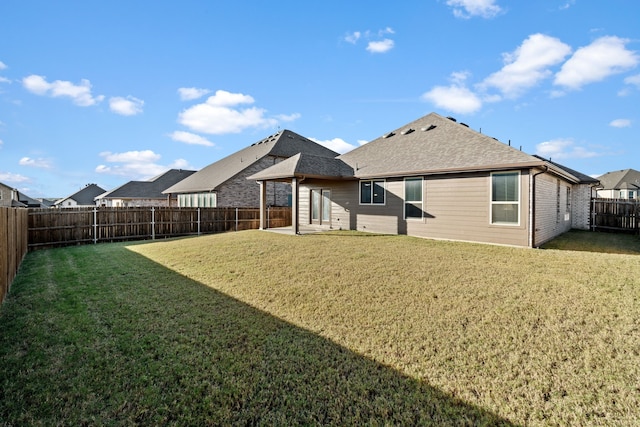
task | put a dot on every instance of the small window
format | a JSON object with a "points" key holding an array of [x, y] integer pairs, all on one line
{"points": [[413, 198], [632, 194], [505, 198], [372, 192]]}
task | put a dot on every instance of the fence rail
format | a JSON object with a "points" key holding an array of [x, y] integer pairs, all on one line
{"points": [[615, 215], [13, 245], [73, 226]]}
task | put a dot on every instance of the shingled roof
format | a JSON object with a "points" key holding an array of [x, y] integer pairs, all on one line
{"points": [[85, 196], [305, 165], [283, 144], [150, 189], [627, 179], [433, 144]]}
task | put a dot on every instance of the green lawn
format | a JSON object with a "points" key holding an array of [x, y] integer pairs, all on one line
{"points": [[333, 328]]}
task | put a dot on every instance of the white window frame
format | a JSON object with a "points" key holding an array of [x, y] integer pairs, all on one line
{"points": [[372, 181], [493, 203], [413, 202]]}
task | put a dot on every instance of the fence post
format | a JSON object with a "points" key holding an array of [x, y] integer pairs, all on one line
{"points": [[236, 219], [95, 225], [198, 221], [268, 223], [153, 223]]}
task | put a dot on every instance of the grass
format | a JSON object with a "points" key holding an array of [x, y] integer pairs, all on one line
{"points": [[612, 243], [334, 328]]}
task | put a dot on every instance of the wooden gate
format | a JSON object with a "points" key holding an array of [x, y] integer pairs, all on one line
{"points": [[615, 215]]}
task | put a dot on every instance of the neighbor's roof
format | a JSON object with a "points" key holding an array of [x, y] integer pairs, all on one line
{"points": [[305, 165], [151, 189], [283, 144], [627, 179], [85, 196]]}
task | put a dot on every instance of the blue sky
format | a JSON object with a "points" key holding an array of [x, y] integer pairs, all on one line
{"points": [[108, 92]]}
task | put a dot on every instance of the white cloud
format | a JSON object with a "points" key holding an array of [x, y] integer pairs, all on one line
{"points": [[13, 177], [381, 46], [218, 116], [620, 123], [79, 94], [191, 93], [136, 165], [190, 138], [353, 37], [456, 97], [562, 148], [35, 163], [469, 8], [4, 80], [338, 145], [128, 106], [3, 66], [527, 65], [633, 80], [602, 58], [288, 117]]}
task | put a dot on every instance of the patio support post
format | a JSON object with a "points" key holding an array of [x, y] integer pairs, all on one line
{"points": [[294, 205], [263, 205]]}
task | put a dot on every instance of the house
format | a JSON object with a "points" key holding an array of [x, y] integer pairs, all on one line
{"points": [[623, 184], [82, 198], [12, 198], [224, 183], [144, 193], [439, 179]]}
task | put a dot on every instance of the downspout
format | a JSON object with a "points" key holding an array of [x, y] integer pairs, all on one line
{"points": [[532, 222]]}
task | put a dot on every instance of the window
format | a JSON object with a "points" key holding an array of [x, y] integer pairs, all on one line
{"points": [[197, 200], [505, 198], [632, 194], [372, 192], [568, 209], [413, 198]]}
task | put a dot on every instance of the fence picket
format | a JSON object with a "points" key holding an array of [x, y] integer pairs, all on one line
{"points": [[615, 215], [72, 226]]}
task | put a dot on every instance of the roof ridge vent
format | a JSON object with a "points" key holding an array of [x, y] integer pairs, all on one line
{"points": [[464, 124], [427, 129], [389, 135], [451, 118], [407, 131]]}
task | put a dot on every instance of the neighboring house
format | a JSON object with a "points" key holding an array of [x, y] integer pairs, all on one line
{"points": [[144, 193], [436, 178], [83, 198], [224, 183], [624, 184], [11, 197]]}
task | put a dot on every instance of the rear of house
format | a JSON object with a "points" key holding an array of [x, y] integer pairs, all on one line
{"points": [[437, 178]]}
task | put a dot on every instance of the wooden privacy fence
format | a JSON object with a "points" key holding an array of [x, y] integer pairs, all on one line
{"points": [[73, 226], [13, 245], [615, 215]]}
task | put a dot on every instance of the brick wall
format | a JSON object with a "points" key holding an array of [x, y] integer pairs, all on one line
{"points": [[242, 192], [581, 215]]}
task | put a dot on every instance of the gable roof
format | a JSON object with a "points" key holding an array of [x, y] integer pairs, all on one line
{"points": [[627, 179], [151, 189], [430, 145], [305, 165], [84, 196], [433, 144], [283, 144]]}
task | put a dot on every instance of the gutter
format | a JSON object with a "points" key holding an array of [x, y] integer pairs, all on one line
{"points": [[532, 221]]}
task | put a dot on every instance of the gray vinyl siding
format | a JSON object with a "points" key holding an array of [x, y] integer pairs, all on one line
{"points": [[457, 207]]}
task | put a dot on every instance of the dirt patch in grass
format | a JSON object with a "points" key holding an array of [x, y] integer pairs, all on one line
{"points": [[332, 328]]}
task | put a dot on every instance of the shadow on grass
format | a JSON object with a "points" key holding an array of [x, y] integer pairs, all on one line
{"points": [[601, 242], [119, 339]]}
